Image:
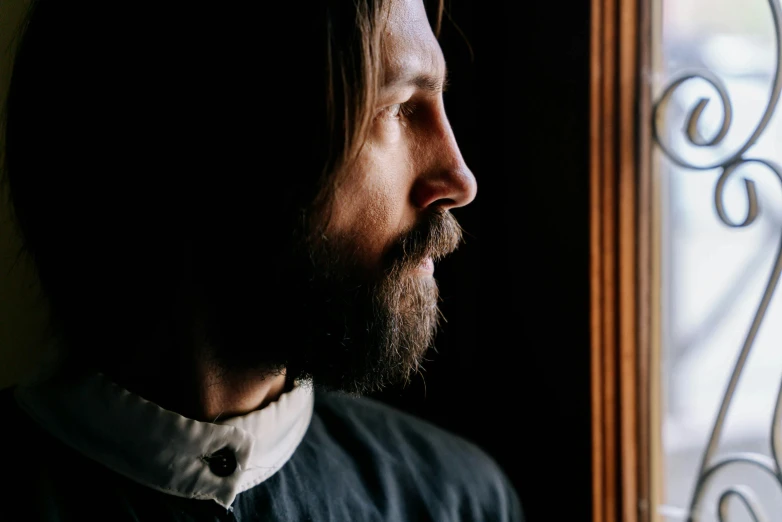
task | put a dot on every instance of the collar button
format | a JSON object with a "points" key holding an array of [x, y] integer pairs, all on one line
{"points": [[222, 462]]}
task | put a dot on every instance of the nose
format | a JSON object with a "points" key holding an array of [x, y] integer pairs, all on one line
{"points": [[445, 181]]}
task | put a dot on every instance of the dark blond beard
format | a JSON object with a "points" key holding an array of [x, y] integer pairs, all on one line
{"points": [[336, 327], [388, 324]]}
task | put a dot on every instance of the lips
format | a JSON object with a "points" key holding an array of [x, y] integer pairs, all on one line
{"points": [[427, 265]]}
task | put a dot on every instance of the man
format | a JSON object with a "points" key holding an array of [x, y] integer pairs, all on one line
{"points": [[234, 214]]}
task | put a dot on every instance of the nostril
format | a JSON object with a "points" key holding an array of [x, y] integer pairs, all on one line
{"points": [[444, 203]]}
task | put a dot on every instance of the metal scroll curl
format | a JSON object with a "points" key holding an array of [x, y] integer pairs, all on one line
{"points": [[730, 166], [747, 498]]}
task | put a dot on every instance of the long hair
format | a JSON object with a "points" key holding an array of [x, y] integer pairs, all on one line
{"points": [[145, 148]]}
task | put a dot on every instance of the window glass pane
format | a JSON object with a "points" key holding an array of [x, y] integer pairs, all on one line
{"points": [[714, 275]]}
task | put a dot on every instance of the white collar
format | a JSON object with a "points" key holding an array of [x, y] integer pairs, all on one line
{"points": [[162, 449]]}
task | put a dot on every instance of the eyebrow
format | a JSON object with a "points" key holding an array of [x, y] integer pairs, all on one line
{"points": [[423, 81]]}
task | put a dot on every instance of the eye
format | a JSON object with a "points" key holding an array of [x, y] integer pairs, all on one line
{"points": [[396, 111], [392, 112]]}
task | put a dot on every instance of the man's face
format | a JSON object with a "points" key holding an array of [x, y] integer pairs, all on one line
{"points": [[410, 165], [390, 217], [363, 300]]}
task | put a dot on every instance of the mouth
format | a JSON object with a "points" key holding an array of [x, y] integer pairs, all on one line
{"points": [[426, 266]]}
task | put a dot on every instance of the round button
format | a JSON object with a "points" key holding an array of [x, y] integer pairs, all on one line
{"points": [[222, 462]]}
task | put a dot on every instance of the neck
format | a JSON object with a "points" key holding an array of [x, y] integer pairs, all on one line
{"points": [[191, 383], [178, 371]]}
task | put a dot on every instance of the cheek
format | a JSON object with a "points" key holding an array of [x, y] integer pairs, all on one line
{"points": [[372, 204]]}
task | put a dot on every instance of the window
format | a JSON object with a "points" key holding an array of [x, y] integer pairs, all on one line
{"points": [[687, 243], [720, 232]]}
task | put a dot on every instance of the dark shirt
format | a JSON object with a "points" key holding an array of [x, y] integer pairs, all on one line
{"points": [[359, 461]]}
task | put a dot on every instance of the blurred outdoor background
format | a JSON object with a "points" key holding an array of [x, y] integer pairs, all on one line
{"points": [[713, 275]]}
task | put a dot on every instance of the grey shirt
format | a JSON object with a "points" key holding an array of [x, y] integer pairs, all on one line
{"points": [[358, 460]]}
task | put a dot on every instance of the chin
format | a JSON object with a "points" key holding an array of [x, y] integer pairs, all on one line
{"points": [[375, 338]]}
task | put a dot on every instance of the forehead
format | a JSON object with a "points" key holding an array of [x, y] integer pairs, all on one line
{"points": [[408, 42]]}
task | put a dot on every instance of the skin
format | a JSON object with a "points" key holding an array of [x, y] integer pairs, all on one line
{"points": [[410, 165]]}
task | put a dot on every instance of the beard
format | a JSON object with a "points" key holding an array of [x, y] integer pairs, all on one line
{"points": [[334, 325]]}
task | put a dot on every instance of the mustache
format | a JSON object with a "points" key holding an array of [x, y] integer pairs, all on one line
{"points": [[436, 235]]}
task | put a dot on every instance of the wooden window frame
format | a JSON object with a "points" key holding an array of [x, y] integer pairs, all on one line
{"points": [[622, 275]]}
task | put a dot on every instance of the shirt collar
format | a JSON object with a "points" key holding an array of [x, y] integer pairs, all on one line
{"points": [[162, 449]]}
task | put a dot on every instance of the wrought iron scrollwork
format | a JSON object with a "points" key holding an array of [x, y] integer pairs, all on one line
{"points": [[730, 165]]}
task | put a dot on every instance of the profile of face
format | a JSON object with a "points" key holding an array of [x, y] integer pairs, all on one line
{"points": [[209, 247], [368, 310]]}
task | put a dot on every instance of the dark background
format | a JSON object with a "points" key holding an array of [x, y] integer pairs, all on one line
{"points": [[512, 368]]}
